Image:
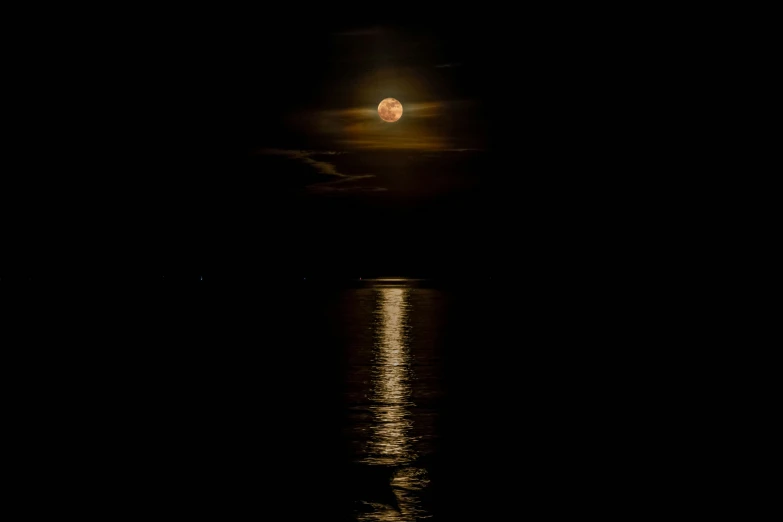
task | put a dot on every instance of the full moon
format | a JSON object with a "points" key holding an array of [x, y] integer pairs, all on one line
{"points": [[390, 110]]}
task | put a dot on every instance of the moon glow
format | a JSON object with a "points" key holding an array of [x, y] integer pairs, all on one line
{"points": [[390, 110]]}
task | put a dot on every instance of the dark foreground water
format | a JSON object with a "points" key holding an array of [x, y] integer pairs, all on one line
{"points": [[374, 400]]}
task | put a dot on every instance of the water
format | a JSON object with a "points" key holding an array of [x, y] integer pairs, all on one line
{"points": [[372, 398], [393, 400], [392, 390]]}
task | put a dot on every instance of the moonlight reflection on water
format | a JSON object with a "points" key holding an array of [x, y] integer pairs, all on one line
{"points": [[390, 391], [391, 440]]}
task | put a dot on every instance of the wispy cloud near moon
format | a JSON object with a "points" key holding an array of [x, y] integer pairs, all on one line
{"points": [[342, 183]]}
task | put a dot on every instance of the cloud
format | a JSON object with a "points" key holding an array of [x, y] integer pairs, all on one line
{"points": [[338, 185], [326, 168], [424, 126]]}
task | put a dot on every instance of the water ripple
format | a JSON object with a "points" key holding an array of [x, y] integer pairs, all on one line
{"points": [[390, 441]]}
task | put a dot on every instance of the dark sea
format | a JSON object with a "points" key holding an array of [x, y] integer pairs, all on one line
{"points": [[390, 399]]}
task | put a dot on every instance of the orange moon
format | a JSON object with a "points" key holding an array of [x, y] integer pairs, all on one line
{"points": [[390, 110]]}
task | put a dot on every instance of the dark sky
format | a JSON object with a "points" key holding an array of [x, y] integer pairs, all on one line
{"points": [[248, 143], [275, 158]]}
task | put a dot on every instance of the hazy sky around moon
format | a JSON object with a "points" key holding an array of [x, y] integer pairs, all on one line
{"points": [[432, 125], [367, 65]]}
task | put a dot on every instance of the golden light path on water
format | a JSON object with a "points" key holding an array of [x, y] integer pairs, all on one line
{"points": [[390, 393], [390, 396]]}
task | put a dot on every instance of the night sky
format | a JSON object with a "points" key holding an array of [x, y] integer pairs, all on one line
{"points": [[249, 144], [268, 155]]}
